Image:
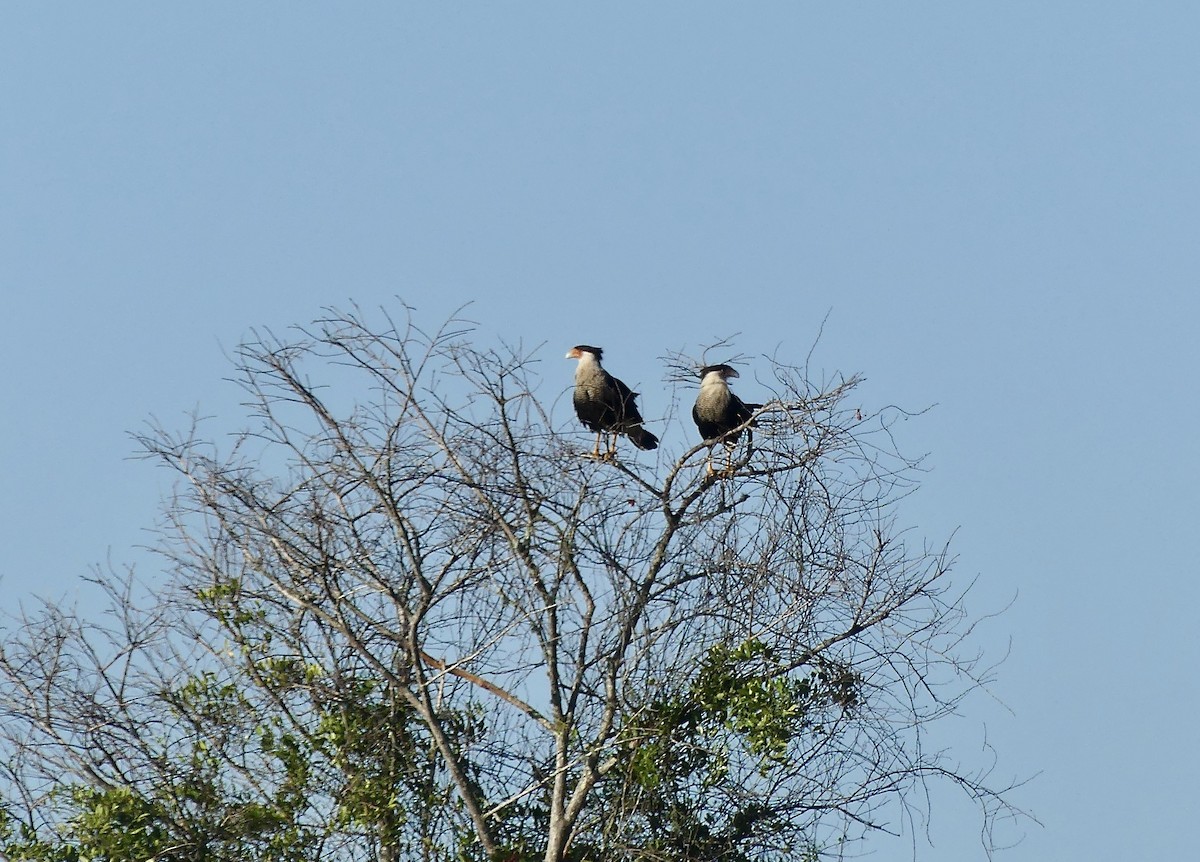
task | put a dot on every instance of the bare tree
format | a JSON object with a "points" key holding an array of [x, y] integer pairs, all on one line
{"points": [[405, 618]]}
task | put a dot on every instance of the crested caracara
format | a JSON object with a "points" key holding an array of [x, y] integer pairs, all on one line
{"points": [[718, 413], [605, 404]]}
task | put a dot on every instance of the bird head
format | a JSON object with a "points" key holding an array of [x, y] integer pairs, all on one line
{"points": [[579, 350], [720, 372]]}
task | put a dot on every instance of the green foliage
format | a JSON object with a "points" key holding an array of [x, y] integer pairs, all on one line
{"points": [[360, 746], [745, 690], [742, 703], [206, 698], [196, 809], [371, 743], [118, 824], [107, 826], [735, 687], [224, 602], [20, 842], [185, 821]]}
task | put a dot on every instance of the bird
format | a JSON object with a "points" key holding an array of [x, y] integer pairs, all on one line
{"points": [[718, 413], [605, 404]]}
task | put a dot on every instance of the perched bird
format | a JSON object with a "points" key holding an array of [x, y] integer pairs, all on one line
{"points": [[718, 413], [605, 404]]}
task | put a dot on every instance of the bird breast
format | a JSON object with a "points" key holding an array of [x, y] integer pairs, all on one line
{"points": [[713, 398]]}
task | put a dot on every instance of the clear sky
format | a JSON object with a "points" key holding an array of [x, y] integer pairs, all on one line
{"points": [[998, 205]]}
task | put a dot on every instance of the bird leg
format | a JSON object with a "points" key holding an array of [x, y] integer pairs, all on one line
{"points": [[727, 471], [596, 448]]}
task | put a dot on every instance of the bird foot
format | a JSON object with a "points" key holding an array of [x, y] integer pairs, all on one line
{"points": [[599, 456], [723, 473]]}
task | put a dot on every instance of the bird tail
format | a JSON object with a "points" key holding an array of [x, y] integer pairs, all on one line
{"points": [[642, 438]]}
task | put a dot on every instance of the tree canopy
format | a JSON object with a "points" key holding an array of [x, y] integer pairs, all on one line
{"points": [[401, 617]]}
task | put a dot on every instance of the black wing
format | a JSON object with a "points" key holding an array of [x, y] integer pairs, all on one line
{"points": [[624, 401]]}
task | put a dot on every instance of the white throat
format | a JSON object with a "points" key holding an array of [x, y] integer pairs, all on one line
{"points": [[713, 380], [588, 364]]}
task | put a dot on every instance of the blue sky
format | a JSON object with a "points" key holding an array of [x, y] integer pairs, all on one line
{"points": [[997, 206]]}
